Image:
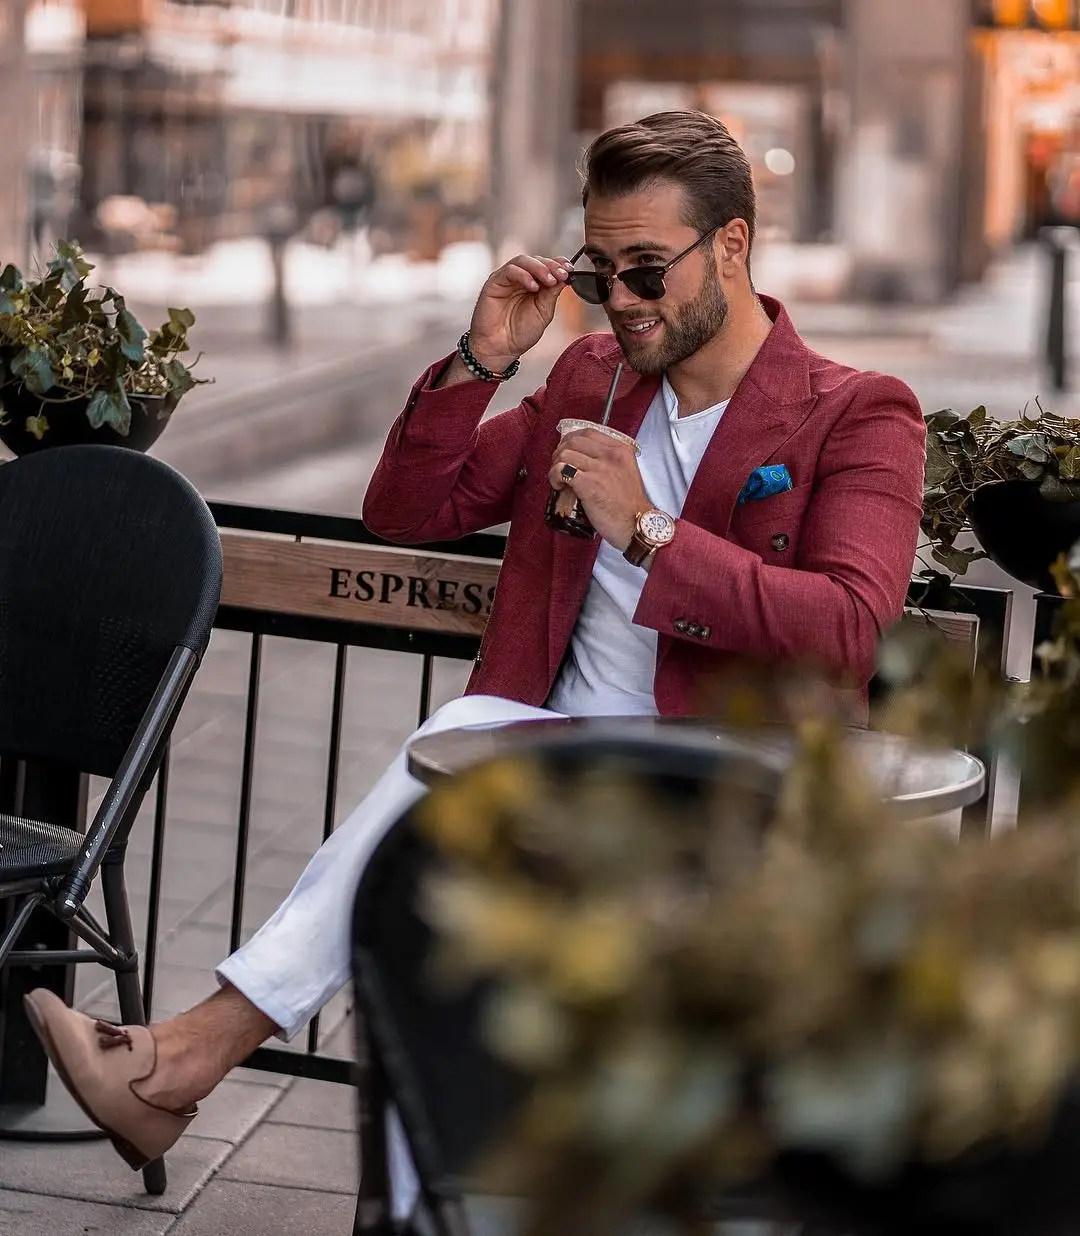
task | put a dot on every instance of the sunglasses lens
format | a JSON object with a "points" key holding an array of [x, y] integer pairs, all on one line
{"points": [[590, 286], [645, 284]]}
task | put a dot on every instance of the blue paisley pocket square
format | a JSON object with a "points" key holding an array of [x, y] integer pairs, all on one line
{"points": [[765, 482]]}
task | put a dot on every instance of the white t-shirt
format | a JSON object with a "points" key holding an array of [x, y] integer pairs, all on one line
{"points": [[610, 667]]}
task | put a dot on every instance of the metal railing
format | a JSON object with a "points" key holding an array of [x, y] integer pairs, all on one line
{"points": [[342, 635], [991, 606]]}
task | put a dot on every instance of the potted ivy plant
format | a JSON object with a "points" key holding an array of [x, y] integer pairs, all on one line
{"points": [[77, 366], [1015, 484]]}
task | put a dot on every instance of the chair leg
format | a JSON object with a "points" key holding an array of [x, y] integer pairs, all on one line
{"points": [[128, 988]]}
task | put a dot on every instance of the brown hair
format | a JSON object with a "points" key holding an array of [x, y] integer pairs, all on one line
{"points": [[691, 149]]}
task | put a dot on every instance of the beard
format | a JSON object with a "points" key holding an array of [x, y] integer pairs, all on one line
{"points": [[682, 333]]}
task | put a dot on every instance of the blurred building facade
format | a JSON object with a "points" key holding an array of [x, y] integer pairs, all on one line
{"points": [[910, 142], [863, 118], [914, 140], [14, 152], [202, 120]]}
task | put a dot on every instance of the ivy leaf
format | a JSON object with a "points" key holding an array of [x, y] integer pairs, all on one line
{"points": [[76, 310], [939, 467], [172, 336], [1069, 464], [132, 336], [37, 425], [69, 267], [34, 366], [957, 560], [110, 407], [183, 319], [1054, 489], [1031, 446], [11, 281], [179, 377], [977, 417], [937, 422], [935, 591]]}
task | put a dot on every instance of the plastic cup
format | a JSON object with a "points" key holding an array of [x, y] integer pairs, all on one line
{"points": [[564, 511]]}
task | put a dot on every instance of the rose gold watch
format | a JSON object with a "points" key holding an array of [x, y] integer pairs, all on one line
{"points": [[654, 530]]}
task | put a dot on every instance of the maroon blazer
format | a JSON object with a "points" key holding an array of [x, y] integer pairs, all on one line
{"points": [[813, 575]]}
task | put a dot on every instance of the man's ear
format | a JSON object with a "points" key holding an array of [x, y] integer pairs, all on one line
{"points": [[732, 248]]}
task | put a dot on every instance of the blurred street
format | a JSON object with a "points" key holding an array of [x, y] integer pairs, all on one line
{"points": [[303, 427]]}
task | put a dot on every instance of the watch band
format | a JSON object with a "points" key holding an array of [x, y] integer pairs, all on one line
{"points": [[638, 550], [643, 543]]}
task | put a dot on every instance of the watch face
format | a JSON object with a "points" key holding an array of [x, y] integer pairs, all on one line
{"points": [[656, 527]]}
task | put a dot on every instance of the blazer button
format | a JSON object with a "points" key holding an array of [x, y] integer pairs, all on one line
{"points": [[682, 626], [780, 542], [706, 632], [478, 660], [694, 630], [523, 472]]}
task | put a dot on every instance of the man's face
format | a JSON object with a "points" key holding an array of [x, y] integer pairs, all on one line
{"points": [[647, 229]]}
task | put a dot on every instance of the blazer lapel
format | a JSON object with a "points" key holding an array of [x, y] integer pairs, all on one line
{"points": [[769, 405], [573, 559]]}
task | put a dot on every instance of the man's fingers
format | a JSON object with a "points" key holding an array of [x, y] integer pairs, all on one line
{"points": [[579, 462], [593, 443], [533, 273]]}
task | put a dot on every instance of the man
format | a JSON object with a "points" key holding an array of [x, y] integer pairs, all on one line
{"points": [[772, 514]]}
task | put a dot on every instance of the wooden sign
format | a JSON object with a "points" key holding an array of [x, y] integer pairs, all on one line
{"points": [[359, 583]]}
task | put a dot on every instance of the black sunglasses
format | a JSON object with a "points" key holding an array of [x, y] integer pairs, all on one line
{"points": [[646, 282]]}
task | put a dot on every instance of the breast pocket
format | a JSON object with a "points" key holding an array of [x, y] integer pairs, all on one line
{"points": [[770, 527]]}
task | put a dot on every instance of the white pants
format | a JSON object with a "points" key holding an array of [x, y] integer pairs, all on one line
{"points": [[301, 957]]}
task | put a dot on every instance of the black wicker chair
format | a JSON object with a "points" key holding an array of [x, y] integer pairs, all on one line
{"points": [[110, 575], [423, 1052]]}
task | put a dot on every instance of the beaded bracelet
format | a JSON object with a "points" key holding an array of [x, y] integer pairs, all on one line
{"points": [[482, 371]]}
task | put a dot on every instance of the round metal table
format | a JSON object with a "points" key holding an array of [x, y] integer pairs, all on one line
{"points": [[919, 781]]}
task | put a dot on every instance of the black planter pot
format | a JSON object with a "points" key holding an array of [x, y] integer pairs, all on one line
{"points": [[992, 1192], [68, 425], [1022, 532]]}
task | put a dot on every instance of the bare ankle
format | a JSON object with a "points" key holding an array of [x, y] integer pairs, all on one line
{"points": [[196, 1050]]}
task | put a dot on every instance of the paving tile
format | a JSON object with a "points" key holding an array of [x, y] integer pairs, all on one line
{"points": [[296, 1157], [234, 1208], [31, 1214], [277, 868], [178, 988], [317, 1105], [92, 1172], [197, 944], [260, 1077], [234, 1109], [259, 904]]}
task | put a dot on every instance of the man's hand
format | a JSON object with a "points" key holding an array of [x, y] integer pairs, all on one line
{"points": [[515, 307], [608, 482]]}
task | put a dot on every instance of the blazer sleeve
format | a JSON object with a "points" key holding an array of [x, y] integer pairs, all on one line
{"points": [[444, 474], [856, 549]]}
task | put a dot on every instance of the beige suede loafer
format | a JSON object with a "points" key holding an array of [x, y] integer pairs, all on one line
{"points": [[99, 1063]]}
